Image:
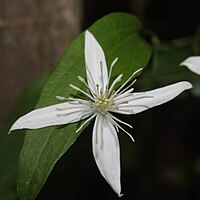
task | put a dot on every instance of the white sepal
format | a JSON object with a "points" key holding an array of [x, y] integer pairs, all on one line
{"points": [[96, 68], [57, 114], [106, 151], [193, 64], [142, 101]]}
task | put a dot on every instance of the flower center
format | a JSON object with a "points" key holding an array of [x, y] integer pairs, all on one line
{"points": [[102, 103]]}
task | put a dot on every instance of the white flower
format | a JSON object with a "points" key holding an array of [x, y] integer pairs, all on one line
{"points": [[100, 103], [193, 64]]}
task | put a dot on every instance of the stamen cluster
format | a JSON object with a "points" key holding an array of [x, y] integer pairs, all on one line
{"points": [[102, 103], [105, 100]]}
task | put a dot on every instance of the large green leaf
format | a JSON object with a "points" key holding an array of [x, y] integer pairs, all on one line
{"points": [[118, 34]]}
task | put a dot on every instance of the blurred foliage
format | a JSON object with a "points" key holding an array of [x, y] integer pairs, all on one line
{"points": [[167, 55], [10, 145]]}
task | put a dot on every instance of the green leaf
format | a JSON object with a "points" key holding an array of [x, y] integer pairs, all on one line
{"points": [[118, 34]]}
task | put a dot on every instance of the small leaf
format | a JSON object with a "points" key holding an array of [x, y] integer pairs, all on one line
{"points": [[118, 35]]}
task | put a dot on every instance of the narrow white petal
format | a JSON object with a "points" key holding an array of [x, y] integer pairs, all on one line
{"points": [[193, 64], [144, 100], [96, 68], [58, 114], [107, 152]]}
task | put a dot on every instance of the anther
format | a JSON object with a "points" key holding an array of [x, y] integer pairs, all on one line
{"points": [[61, 98]]}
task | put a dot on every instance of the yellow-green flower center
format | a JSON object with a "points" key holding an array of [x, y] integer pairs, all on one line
{"points": [[102, 103]]}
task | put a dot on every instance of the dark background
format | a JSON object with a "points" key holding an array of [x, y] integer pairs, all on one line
{"points": [[164, 162]]}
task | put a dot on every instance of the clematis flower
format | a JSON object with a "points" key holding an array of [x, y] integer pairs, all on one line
{"points": [[193, 64], [100, 103]]}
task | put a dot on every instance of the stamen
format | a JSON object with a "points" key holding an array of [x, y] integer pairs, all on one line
{"points": [[82, 80], [101, 127], [68, 113], [90, 118], [78, 101], [111, 67], [129, 97], [128, 79], [74, 101], [109, 122], [124, 106], [124, 95], [111, 95], [98, 91], [132, 83], [117, 129], [141, 106], [62, 98], [129, 135], [117, 80], [71, 107], [85, 83], [102, 78], [102, 141], [123, 100], [117, 110], [90, 75], [86, 114], [142, 97], [120, 121], [116, 124], [78, 89], [97, 126]]}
